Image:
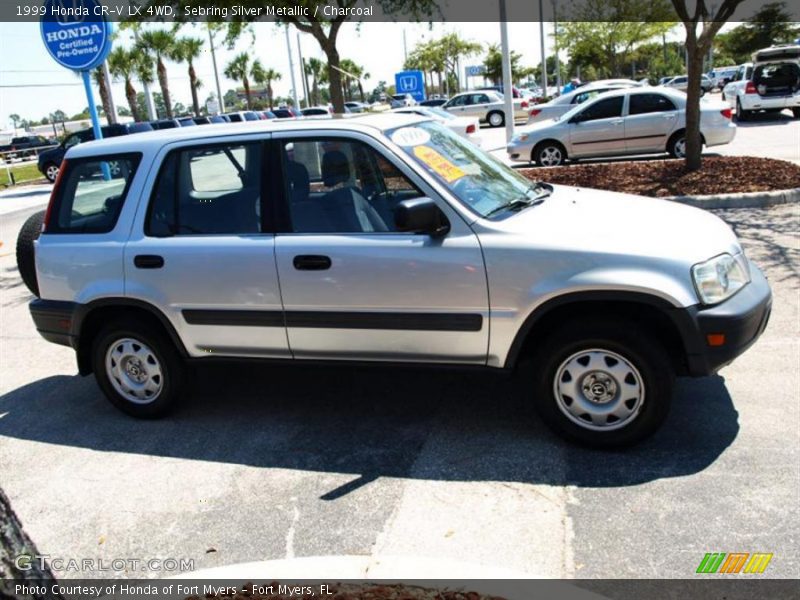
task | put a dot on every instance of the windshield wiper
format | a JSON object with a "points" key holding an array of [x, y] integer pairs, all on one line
{"points": [[517, 204]]}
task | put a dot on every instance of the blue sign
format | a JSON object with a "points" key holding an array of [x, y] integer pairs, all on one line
{"points": [[475, 70], [410, 82], [76, 33]]}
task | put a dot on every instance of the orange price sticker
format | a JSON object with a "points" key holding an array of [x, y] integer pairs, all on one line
{"points": [[440, 165]]}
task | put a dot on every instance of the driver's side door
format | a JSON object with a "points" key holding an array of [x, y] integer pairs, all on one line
{"points": [[598, 129], [355, 287]]}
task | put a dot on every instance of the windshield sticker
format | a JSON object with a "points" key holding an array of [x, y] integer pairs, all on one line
{"points": [[410, 136], [440, 165]]}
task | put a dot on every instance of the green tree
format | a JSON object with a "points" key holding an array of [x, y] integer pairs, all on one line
{"points": [[494, 66], [697, 47], [15, 118], [125, 65], [771, 24], [188, 49], [105, 93], [264, 77], [161, 45], [239, 69], [314, 68]]}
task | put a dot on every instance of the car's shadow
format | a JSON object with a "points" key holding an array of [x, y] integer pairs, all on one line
{"points": [[372, 422]]}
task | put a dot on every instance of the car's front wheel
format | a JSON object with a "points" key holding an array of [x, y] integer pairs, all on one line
{"points": [[138, 368], [549, 154], [602, 382], [51, 172]]}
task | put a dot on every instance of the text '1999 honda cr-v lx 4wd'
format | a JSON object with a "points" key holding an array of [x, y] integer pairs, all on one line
{"points": [[383, 238]]}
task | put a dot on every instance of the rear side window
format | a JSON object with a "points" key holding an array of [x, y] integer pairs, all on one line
{"points": [[649, 103], [91, 194], [208, 190]]}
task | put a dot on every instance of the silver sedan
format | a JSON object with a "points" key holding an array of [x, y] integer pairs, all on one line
{"points": [[618, 123], [566, 102]]}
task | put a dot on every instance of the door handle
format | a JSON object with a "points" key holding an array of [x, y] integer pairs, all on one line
{"points": [[148, 261], [311, 262]]}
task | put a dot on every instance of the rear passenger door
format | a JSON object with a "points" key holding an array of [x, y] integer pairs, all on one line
{"points": [[198, 252], [651, 119], [353, 286]]}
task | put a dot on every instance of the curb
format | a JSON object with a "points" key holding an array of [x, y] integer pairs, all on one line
{"points": [[742, 200]]}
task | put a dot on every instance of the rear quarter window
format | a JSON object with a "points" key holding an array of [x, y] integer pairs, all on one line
{"points": [[92, 193]]}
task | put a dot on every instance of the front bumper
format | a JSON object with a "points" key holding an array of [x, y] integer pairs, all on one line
{"points": [[741, 319], [520, 151]]}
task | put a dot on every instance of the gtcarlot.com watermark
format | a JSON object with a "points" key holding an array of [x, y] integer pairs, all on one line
{"points": [[26, 562]]}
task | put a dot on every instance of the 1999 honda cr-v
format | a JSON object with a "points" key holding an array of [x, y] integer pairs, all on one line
{"points": [[383, 238]]}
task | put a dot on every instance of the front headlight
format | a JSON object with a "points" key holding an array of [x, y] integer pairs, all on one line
{"points": [[719, 278]]}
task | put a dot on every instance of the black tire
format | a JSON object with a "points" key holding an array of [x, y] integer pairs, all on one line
{"points": [[673, 145], [499, 119], [51, 172], [545, 153], [26, 257], [168, 360], [741, 114], [796, 113], [617, 336]]}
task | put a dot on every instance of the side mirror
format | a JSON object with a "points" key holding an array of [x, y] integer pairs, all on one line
{"points": [[421, 215]]}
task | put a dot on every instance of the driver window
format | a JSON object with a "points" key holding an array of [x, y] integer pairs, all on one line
{"points": [[341, 186]]}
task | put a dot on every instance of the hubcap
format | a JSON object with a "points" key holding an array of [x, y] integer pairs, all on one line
{"points": [[680, 148], [134, 371], [495, 119], [550, 156], [52, 172], [599, 390]]}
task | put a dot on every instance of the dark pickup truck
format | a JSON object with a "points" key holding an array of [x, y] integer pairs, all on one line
{"points": [[21, 147]]}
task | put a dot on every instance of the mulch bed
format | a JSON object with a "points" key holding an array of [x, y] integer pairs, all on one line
{"points": [[349, 591], [718, 175]]}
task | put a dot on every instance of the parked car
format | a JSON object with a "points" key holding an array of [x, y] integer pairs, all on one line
{"points": [[770, 83], [24, 146], [241, 116], [488, 106], [619, 123], [433, 102], [722, 76], [357, 107], [517, 93], [266, 114], [466, 127], [49, 161], [566, 102], [681, 83], [394, 240], [186, 121], [165, 124], [401, 100], [286, 113], [317, 111]]}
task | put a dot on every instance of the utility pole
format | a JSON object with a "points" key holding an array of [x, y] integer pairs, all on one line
{"points": [[291, 68], [544, 56], [303, 73], [508, 87], [555, 50], [216, 72], [405, 46]]}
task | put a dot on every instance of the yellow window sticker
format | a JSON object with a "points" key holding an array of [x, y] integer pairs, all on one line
{"points": [[440, 165]]}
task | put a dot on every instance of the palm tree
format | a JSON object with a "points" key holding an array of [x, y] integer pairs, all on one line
{"points": [[126, 65], [161, 45], [15, 118], [265, 77], [105, 93], [188, 49], [239, 70], [315, 67]]}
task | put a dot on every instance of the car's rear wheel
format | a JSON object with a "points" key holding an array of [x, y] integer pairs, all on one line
{"points": [[496, 119], [138, 368], [677, 145], [51, 172], [549, 154], [796, 113], [602, 382], [741, 114], [26, 257]]}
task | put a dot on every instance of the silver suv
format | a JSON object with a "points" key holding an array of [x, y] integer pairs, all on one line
{"points": [[383, 238]]}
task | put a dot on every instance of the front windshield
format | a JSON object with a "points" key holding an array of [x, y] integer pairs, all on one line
{"points": [[476, 178]]}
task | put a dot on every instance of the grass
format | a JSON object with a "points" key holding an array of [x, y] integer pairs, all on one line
{"points": [[22, 174]]}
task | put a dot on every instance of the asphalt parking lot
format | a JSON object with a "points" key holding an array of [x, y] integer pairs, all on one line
{"points": [[269, 463]]}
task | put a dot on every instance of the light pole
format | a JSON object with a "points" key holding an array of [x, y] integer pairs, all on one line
{"points": [[541, 41], [555, 48], [508, 84], [216, 72], [291, 68]]}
